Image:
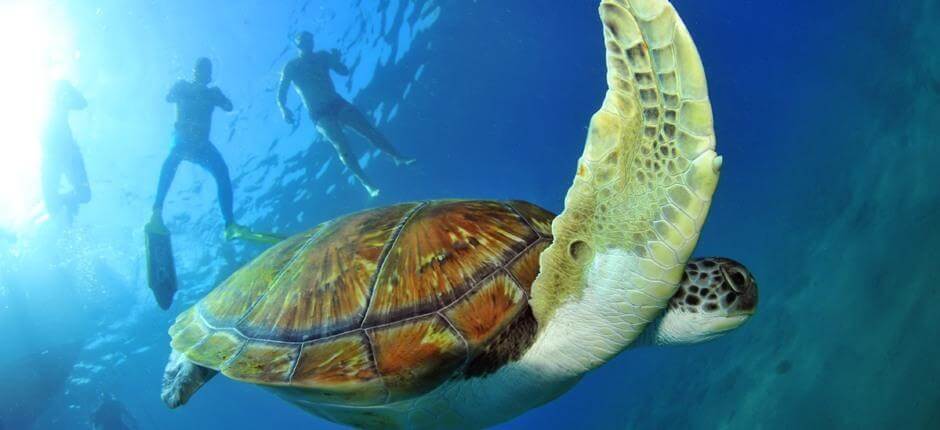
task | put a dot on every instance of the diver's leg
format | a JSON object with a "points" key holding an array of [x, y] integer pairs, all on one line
{"points": [[356, 120], [78, 177], [210, 159], [331, 129], [167, 173], [50, 184]]}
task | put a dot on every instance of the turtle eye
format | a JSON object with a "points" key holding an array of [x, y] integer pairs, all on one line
{"points": [[737, 279]]}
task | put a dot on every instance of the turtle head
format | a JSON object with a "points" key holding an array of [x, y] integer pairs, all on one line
{"points": [[715, 296]]}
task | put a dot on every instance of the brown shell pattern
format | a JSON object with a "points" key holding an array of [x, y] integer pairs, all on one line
{"points": [[373, 307]]}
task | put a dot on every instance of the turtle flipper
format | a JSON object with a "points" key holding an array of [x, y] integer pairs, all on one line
{"points": [[643, 185], [181, 379]]}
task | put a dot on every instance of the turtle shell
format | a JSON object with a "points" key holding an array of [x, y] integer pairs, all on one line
{"points": [[375, 306]]}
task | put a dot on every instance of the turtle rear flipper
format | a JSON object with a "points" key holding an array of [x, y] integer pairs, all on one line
{"points": [[181, 379]]}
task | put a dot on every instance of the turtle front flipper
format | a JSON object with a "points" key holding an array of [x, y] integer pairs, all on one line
{"points": [[181, 379], [640, 196]]}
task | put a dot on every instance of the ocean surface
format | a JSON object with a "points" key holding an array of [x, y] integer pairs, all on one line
{"points": [[827, 114]]}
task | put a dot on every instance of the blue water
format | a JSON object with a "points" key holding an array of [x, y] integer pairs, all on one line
{"points": [[826, 113]]}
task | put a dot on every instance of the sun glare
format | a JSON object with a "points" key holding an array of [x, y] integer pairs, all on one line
{"points": [[35, 52]]}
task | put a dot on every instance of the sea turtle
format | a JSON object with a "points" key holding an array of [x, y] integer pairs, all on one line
{"points": [[463, 314]]}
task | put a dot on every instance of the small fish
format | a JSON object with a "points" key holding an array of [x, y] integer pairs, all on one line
{"points": [[323, 168], [141, 350]]}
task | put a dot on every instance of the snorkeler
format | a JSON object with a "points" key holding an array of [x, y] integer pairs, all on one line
{"points": [[310, 74], [61, 156], [195, 102], [112, 415]]}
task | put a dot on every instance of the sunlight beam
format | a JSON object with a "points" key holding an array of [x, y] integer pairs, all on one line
{"points": [[35, 53]]}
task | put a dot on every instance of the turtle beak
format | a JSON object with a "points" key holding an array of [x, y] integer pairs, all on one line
{"points": [[730, 322]]}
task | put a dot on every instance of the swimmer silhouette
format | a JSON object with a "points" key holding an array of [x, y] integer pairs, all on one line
{"points": [[330, 112], [195, 102], [61, 156]]}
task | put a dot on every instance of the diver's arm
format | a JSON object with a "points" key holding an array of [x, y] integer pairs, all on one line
{"points": [[78, 101], [336, 63], [68, 97], [282, 89], [174, 94], [223, 102]]}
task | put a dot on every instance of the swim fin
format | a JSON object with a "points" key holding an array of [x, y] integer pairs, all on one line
{"points": [[235, 231], [161, 269], [263, 238]]}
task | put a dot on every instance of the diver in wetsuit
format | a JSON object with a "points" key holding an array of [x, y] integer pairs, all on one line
{"points": [[61, 156], [195, 102], [112, 415], [310, 74]]}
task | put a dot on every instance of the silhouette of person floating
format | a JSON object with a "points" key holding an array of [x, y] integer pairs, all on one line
{"points": [[112, 415], [195, 102], [310, 74], [61, 156]]}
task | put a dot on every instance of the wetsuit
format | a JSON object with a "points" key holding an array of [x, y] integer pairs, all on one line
{"points": [[60, 154], [195, 104]]}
